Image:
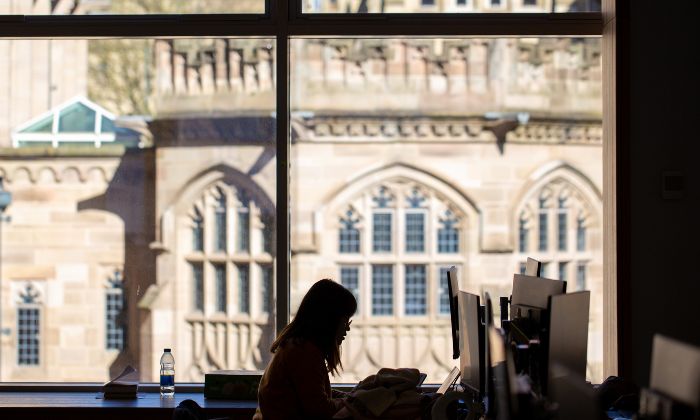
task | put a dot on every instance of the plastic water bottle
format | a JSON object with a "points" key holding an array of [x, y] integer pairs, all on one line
{"points": [[167, 374]]}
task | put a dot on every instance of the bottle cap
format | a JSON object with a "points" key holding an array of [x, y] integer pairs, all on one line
{"points": [[166, 350]]}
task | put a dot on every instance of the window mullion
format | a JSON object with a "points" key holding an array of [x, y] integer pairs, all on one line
{"points": [[280, 14]]}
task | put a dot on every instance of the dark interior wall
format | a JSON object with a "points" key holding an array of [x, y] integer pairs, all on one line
{"points": [[659, 44]]}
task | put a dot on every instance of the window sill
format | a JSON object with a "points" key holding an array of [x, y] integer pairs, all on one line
{"points": [[148, 387]]}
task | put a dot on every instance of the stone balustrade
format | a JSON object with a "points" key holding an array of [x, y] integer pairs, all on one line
{"points": [[243, 343]]}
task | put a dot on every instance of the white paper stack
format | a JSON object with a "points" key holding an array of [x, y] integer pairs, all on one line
{"points": [[124, 386]]}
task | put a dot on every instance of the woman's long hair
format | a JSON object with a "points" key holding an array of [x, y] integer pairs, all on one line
{"points": [[318, 319]]}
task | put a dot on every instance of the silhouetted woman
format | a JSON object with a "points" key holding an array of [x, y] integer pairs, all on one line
{"points": [[295, 384]]}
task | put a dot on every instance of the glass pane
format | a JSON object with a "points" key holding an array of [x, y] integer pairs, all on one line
{"points": [[202, 114], [119, 7], [483, 130], [107, 125], [450, 6], [43, 126], [77, 118]]}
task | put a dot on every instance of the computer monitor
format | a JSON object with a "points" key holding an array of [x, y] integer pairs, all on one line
{"points": [[534, 292], [486, 361], [471, 343], [452, 291], [567, 335], [675, 370], [533, 267]]}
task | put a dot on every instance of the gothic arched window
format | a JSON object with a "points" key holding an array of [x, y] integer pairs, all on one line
{"points": [[401, 256], [231, 254], [561, 258]]}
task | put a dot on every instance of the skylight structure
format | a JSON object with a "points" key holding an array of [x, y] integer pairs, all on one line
{"points": [[76, 122]]}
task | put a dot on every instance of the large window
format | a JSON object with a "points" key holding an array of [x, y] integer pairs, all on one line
{"points": [[437, 152], [221, 171]]}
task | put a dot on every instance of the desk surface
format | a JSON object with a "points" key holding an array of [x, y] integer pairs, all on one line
{"points": [[77, 405]]}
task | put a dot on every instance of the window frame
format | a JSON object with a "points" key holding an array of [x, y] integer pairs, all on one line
{"points": [[284, 20]]}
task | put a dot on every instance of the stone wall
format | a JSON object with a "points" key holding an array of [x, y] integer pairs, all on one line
{"points": [[73, 222]]}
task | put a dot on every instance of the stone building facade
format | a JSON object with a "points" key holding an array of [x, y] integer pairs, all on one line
{"points": [[407, 157]]}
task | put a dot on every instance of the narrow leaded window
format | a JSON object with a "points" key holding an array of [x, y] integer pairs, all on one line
{"points": [[448, 235], [581, 276], [523, 232], [381, 232], [114, 302], [542, 226], [197, 231], [415, 232], [220, 222], [544, 269], [562, 270], [266, 288], [382, 290], [415, 290], [198, 285], [349, 234], [350, 279], [28, 336], [522, 268], [444, 292], [562, 227], [580, 235], [114, 308], [243, 288], [221, 289], [243, 236]]}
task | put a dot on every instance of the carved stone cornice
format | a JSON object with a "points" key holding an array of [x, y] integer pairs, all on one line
{"points": [[442, 129]]}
